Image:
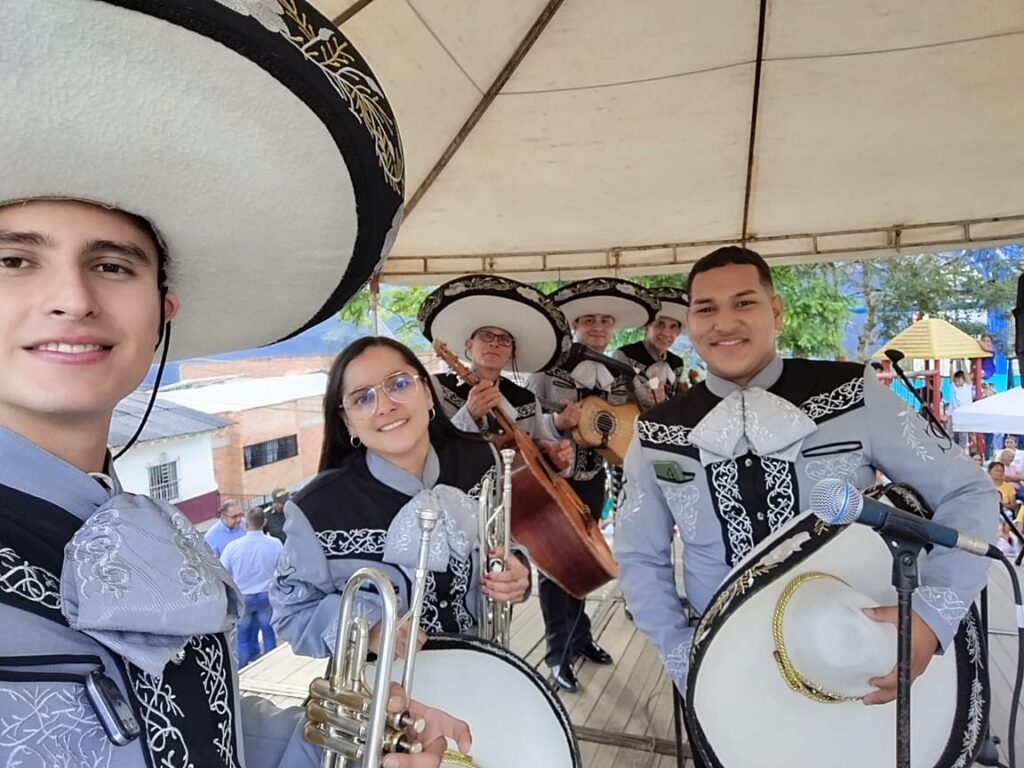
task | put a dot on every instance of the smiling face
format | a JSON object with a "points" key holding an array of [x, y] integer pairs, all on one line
{"points": [[733, 320], [392, 429], [663, 332], [594, 331], [79, 312]]}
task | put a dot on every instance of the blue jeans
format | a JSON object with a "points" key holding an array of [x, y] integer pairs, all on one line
{"points": [[255, 621]]}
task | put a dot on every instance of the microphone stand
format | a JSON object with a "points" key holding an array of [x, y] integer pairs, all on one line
{"points": [[905, 551]]}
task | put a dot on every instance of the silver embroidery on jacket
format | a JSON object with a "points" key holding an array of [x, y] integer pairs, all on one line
{"points": [[213, 667], [725, 485], [847, 394], [663, 434], [682, 503], [97, 557], [51, 725], [841, 466], [159, 709], [678, 662], [357, 541], [461, 570], [945, 602], [781, 496], [21, 578]]}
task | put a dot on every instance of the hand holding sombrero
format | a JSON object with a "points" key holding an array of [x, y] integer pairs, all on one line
{"points": [[784, 654]]}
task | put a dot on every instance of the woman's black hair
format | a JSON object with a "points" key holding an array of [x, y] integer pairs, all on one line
{"points": [[337, 447]]}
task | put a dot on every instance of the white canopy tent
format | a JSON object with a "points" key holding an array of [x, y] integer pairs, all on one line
{"points": [[569, 138], [1002, 413]]}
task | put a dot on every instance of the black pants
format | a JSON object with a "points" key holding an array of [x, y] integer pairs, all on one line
{"points": [[566, 624]]}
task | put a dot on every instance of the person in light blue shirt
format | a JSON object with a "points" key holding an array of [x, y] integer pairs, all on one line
{"points": [[230, 527], [251, 560]]}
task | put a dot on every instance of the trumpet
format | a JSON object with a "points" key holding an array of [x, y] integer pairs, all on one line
{"points": [[495, 530], [345, 717]]}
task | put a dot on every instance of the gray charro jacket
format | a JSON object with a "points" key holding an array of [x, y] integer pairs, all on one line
{"points": [[723, 508], [340, 522], [190, 714]]}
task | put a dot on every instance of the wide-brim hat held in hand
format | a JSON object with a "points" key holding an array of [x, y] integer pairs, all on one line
{"points": [[249, 133], [784, 653]]}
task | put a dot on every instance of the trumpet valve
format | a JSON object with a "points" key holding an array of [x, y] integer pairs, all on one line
{"points": [[405, 720]]}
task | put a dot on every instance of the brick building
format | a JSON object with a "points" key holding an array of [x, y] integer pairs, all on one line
{"points": [[275, 433]]}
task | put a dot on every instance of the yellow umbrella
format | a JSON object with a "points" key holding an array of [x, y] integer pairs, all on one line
{"points": [[933, 339]]}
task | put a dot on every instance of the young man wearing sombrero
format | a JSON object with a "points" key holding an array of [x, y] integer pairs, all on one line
{"points": [[732, 466], [594, 309], [145, 185], [500, 325], [653, 355]]}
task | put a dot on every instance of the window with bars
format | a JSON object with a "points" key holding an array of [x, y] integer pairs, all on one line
{"points": [[261, 454], [163, 481]]}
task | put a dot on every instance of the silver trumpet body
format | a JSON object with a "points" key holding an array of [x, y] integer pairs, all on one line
{"points": [[495, 619], [347, 718]]}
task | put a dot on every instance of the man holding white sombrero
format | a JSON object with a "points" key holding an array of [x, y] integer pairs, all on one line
{"points": [[653, 355], [732, 466], [499, 325], [161, 161], [595, 309]]}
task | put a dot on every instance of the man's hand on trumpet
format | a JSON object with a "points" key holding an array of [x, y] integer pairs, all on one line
{"points": [[510, 585], [439, 726], [401, 642]]}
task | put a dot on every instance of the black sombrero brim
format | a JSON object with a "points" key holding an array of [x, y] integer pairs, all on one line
{"points": [[459, 307], [733, 677], [675, 304], [253, 137], [630, 304]]}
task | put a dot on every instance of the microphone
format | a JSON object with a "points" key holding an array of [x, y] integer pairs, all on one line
{"points": [[580, 352], [894, 355], [839, 503]]}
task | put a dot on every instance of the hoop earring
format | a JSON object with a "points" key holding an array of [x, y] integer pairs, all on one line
{"points": [[431, 414], [354, 441]]}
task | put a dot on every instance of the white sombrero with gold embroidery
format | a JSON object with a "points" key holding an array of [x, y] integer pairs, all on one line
{"points": [[784, 653], [250, 133]]}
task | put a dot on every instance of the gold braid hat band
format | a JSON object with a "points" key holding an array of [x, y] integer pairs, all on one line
{"points": [[793, 678], [457, 760]]}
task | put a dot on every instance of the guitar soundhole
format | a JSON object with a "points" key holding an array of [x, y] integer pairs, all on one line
{"points": [[605, 423]]}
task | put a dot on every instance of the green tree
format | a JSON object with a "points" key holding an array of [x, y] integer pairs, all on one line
{"points": [[958, 286], [397, 306], [816, 310]]}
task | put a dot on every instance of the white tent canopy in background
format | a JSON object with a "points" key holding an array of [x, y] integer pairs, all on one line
{"points": [[618, 141], [1003, 413]]}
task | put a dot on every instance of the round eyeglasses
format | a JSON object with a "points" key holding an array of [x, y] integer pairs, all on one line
{"points": [[501, 339], [399, 387]]}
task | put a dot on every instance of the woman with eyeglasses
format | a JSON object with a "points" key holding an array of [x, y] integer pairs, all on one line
{"points": [[387, 448], [500, 326]]}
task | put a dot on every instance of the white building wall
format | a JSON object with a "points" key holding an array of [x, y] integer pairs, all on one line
{"points": [[195, 464]]}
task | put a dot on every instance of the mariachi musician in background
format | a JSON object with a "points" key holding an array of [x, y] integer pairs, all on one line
{"points": [[594, 309], [652, 353], [500, 325]]}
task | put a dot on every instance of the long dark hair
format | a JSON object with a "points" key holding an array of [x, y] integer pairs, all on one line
{"points": [[337, 446]]}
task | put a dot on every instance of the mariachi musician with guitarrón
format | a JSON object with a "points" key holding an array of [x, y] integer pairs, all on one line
{"points": [[546, 516], [594, 309], [500, 325]]}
